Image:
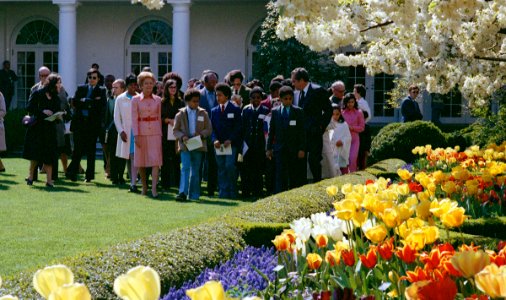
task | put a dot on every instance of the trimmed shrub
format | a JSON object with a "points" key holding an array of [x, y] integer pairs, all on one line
{"points": [[489, 227], [396, 140], [386, 168]]}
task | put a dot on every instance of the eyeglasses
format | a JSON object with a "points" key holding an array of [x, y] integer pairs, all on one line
{"points": [[43, 75], [92, 77], [172, 87]]}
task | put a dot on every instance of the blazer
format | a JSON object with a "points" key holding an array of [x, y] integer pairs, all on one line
{"points": [[287, 134], [244, 93], [169, 111], [123, 122], [146, 115], [227, 125], [182, 128], [410, 110], [317, 110], [203, 103], [253, 126], [89, 113]]}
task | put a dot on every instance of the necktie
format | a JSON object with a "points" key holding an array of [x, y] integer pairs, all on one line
{"points": [[90, 90], [285, 113], [222, 108], [301, 99]]}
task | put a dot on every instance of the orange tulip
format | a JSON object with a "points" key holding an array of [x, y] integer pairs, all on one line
{"points": [[332, 257], [369, 260], [282, 242], [348, 257], [417, 275], [321, 240], [314, 261], [406, 254], [439, 290]]}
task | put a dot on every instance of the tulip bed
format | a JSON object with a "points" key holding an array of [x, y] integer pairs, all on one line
{"points": [[392, 239], [182, 254]]}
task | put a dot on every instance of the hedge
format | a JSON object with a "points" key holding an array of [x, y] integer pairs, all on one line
{"points": [[181, 254], [489, 227]]}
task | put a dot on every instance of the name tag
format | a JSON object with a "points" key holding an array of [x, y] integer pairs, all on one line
{"points": [[293, 123], [261, 116], [230, 115], [200, 118]]}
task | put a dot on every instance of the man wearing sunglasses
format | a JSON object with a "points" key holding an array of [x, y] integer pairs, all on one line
{"points": [[89, 109], [409, 107]]}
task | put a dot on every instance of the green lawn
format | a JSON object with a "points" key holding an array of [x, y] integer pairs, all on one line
{"points": [[38, 226]]}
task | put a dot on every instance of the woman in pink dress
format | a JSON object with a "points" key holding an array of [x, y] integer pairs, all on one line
{"points": [[355, 119], [147, 130]]}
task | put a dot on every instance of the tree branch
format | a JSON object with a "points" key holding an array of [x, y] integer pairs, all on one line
{"points": [[377, 26], [490, 58]]}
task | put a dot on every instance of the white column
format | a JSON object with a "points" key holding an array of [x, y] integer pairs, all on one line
{"points": [[181, 38], [67, 44]]}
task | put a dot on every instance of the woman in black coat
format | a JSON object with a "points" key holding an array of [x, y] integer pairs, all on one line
{"points": [[40, 139], [171, 104]]}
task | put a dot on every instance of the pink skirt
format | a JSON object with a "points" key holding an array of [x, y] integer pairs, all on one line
{"points": [[148, 151]]}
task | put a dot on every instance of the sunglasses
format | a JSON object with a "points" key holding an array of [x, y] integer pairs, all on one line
{"points": [[92, 77]]}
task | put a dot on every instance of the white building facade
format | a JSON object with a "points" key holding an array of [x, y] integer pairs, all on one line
{"points": [[186, 36]]}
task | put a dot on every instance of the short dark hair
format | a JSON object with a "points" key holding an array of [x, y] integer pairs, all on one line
{"points": [[360, 89], [130, 79], [224, 88], [413, 87], [287, 82], [274, 86], [256, 90], [235, 74], [175, 76], [95, 66], [338, 107], [92, 71], [347, 99], [285, 90], [6, 62], [206, 73], [190, 94], [300, 74]]}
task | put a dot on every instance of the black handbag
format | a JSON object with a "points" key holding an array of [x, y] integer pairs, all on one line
{"points": [[29, 121]]}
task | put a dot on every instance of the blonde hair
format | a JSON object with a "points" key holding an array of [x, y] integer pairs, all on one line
{"points": [[143, 76]]}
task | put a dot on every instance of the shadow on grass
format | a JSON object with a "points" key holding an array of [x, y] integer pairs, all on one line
{"points": [[59, 189]]}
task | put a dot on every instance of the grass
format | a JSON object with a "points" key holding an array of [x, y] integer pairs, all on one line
{"points": [[38, 225]]}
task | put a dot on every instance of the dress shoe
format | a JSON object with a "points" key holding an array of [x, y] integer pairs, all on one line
{"points": [[49, 185], [2, 170], [155, 196], [133, 189], [29, 181], [87, 180], [181, 197], [71, 177]]}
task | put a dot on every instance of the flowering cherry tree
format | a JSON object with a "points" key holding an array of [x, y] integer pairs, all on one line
{"points": [[437, 43], [150, 4]]}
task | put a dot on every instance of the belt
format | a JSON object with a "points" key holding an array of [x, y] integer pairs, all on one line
{"points": [[148, 119]]}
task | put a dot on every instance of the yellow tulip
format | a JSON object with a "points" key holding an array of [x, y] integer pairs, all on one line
{"points": [[472, 186], [211, 290], [404, 174], [51, 278], [390, 217], [332, 190], [357, 197], [346, 188], [403, 189], [470, 262], [8, 297], [449, 187], [431, 234], [423, 196], [382, 183], [492, 281], [345, 210], [404, 212], [360, 217], [423, 210], [439, 208], [359, 188], [321, 240], [460, 173], [409, 225], [314, 261], [416, 239], [371, 188], [412, 200], [76, 291], [454, 217], [431, 187], [376, 234], [139, 283]]}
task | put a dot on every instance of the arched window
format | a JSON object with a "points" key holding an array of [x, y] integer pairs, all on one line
{"points": [[36, 45], [150, 45], [252, 46]]}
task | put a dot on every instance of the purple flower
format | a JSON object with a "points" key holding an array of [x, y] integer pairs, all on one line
{"points": [[408, 167], [238, 274]]}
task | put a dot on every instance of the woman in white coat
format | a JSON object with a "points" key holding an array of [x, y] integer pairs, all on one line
{"points": [[341, 141], [123, 122], [3, 146]]}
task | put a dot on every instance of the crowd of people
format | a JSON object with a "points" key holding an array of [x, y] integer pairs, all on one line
{"points": [[215, 132]]}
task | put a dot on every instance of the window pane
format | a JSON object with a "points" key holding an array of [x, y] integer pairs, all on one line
{"points": [[26, 74], [152, 33]]}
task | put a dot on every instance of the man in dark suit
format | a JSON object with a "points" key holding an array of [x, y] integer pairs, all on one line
{"points": [[253, 116], [208, 102], [314, 100], [409, 107], [286, 143], [226, 123], [89, 105]]}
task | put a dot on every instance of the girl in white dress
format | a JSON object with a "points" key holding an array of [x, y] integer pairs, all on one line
{"points": [[341, 141]]}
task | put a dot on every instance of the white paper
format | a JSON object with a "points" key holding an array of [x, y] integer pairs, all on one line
{"points": [[193, 143], [224, 150], [261, 116], [293, 123], [230, 115], [54, 116], [170, 133], [244, 148], [67, 128]]}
